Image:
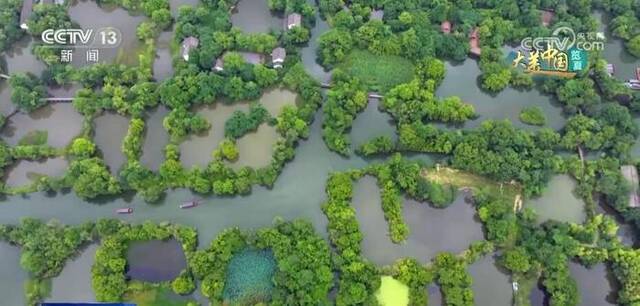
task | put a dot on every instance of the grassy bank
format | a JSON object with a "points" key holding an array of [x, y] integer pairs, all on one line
{"points": [[379, 73], [462, 179]]}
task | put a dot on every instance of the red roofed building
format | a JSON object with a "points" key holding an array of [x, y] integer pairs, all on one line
{"points": [[445, 27]]}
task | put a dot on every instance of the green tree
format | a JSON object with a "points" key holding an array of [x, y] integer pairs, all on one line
{"points": [[27, 91]]}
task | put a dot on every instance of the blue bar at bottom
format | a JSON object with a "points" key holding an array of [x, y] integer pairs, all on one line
{"points": [[87, 304]]}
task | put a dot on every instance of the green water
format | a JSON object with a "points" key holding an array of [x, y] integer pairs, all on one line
{"points": [[249, 276]]}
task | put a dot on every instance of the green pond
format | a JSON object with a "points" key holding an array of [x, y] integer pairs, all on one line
{"points": [[558, 202], [249, 277]]}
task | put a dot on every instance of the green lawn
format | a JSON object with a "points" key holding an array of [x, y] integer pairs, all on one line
{"points": [[392, 292], [380, 73]]}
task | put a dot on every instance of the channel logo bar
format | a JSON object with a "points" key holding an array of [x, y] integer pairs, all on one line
{"points": [[87, 304]]}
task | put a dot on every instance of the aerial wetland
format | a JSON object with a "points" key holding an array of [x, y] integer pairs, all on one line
{"points": [[409, 230]]}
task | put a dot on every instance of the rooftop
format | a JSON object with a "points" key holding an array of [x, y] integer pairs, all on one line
{"points": [[376, 15], [293, 20], [27, 8]]}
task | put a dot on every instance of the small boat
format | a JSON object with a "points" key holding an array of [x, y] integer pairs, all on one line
{"points": [[611, 69], [514, 285], [189, 204], [124, 211], [633, 84]]}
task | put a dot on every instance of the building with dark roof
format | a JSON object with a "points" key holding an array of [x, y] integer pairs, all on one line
{"points": [[188, 44]]}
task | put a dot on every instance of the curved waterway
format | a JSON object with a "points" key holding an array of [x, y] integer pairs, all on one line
{"points": [[432, 230], [197, 149], [77, 271]]}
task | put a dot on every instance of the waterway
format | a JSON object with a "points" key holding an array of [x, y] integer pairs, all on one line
{"points": [[77, 271], [432, 230], [155, 260], [558, 202], [615, 53]]}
